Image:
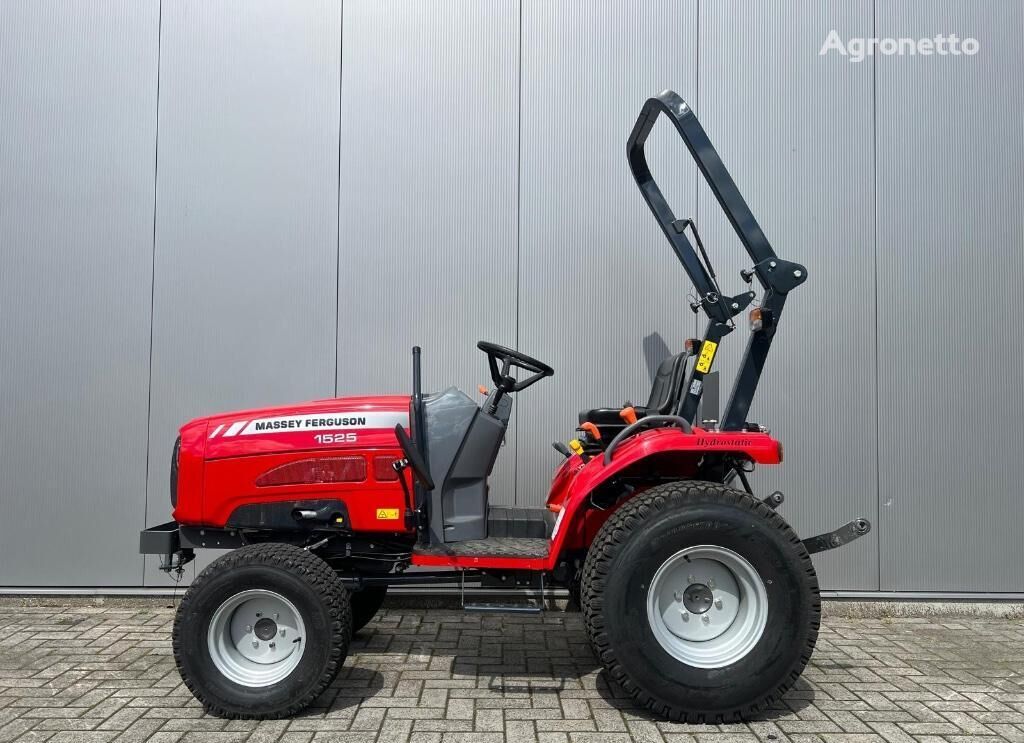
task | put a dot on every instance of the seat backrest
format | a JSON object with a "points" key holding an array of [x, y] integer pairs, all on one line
{"points": [[667, 386]]}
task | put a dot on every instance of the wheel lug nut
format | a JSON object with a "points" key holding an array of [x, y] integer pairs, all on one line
{"points": [[678, 596], [248, 628], [685, 615], [718, 603], [710, 583], [691, 579], [255, 643], [276, 615], [706, 619], [282, 633], [273, 644], [259, 614]]}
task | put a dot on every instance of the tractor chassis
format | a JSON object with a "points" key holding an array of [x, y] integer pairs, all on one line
{"points": [[176, 544]]}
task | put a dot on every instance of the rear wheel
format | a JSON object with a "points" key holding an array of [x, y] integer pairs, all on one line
{"points": [[262, 631], [365, 605], [700, 601]]}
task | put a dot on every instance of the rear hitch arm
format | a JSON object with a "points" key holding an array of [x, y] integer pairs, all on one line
{"points": [[838, 537]]}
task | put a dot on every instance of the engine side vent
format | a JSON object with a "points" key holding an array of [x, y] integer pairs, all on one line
{"points": [[315, 471]]}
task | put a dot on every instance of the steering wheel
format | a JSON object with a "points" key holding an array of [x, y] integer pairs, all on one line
{"points": [[510, 359]]}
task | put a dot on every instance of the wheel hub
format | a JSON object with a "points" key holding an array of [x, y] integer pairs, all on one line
{"points": [[698, 598], [265, 629]]}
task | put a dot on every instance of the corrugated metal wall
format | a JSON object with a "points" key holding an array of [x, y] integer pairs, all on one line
{"points": [[209, 205], [950, 177], [77, 138]]}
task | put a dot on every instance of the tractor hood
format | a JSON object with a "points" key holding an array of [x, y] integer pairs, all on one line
{"points": [[335, 423]]}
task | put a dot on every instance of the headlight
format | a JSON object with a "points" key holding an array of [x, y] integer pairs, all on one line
{"points": [[174, 472]]}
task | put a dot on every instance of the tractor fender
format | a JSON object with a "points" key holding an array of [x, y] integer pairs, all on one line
{"points": [[576, 480]]}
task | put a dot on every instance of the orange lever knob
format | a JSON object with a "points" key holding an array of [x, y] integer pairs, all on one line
{"points": [[628, 414], [591, 429]]}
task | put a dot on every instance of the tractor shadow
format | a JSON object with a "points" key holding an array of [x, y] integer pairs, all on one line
{"points": [[352, 687], [412, 653]]}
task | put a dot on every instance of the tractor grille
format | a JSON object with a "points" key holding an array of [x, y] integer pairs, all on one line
{"points": [[174, 472]]}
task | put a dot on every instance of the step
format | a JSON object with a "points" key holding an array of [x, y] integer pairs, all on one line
{"points": [[513, 547], [505, 607]]}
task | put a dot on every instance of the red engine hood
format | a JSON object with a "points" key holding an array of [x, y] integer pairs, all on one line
{"points": [[336, 423]]}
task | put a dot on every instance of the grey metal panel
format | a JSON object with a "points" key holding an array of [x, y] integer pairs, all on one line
{"points": [[246, 231], [77, 132], [795, 130], [950, 178], [595, 275], [428, 196]]}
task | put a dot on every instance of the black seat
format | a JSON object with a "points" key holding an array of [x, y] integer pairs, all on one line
{"points": [[666, 391]]}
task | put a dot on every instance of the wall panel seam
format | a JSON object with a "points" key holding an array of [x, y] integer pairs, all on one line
{"points": [[519, 232], [874, 273], [337, 200], [696, 172], [152, 280]]}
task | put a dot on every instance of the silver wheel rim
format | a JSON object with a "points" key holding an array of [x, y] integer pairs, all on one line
{"points": [[707, 606], [256, 638]]}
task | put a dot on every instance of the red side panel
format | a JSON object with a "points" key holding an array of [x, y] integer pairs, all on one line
{"points": [[372, 506], [224, 456]]}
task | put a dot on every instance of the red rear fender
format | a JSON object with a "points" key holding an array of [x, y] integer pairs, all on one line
{"points": [[660, 453]]}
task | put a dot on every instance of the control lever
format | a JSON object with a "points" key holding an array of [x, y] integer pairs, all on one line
{"points": [[561, 449], [593, 432], [577, 448]]}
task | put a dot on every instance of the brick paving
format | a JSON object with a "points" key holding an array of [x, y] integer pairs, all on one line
{"points": [[93, 673]]}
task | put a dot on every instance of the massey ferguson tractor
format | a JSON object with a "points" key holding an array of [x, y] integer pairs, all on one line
{"points": [[699, 599]]}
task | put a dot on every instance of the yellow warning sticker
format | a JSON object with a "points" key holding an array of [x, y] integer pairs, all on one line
{"points": [[387, 514], [707, 355]]}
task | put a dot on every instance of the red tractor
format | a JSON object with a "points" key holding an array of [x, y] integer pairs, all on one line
{"points": [[699, 599]]}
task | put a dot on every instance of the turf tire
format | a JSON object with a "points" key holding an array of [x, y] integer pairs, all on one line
{"points": [[624, 557], [301, 577]]}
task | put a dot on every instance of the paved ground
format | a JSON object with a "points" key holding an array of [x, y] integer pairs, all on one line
{"points": [[93, 673]]}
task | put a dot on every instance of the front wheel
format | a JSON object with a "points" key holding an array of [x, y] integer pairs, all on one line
{"points": [[700, 602], [262, 631]]}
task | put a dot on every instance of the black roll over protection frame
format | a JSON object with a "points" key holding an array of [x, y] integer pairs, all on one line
{"points": [[778, 277]]}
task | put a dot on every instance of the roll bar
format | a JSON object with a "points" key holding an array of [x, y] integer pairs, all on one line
{"points": [[777, 276]]}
